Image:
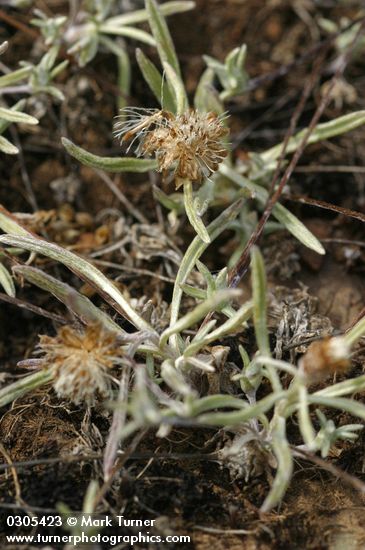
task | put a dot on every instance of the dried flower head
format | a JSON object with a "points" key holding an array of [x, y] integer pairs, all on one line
{"points": [[190, 144], [81, 361], [324, 358]]}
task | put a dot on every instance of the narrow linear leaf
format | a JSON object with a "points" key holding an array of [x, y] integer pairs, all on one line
{"points": [[9, 224], [353, 385], [285, 467], [78, 304], [139, 16], [258, 282], [118, 423], [217, 401], [193, 253], [208, 278], [129, 32], [200, 311], [277, 364], [110, 164], [305, 421], [160, 31], [24, 385], [194, 292], [297, 228], [228, 327], [167, 200], [124, 69], [3, 47], [192, 214], [4, 124], [355, 333], [349, 405], [6, 281], [16, 116], [7, 147], [59, 68], [233, 418], [176, 85], [326, 130], [175, 379], [155, 81], [282, 214], [15, 76], [82, 269], [124, 78], [206, 98]]}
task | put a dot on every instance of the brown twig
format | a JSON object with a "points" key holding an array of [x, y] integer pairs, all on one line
{"points": [[331, 468], [98, 456], [55, 460], [134, 270], [266, 116], [330, 169], [326, 206], [236, 274], [16, 24], [121, 197], [356, 320], [30, 195], [295, 117], [30, 307], [18, 494], [238, 271]]}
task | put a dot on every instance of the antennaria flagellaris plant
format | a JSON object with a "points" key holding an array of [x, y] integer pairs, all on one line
{"points": [[159, 367]]}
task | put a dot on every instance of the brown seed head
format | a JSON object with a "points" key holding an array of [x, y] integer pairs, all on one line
{"points": [[324, 358], [190, 144], [80, 362]]}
